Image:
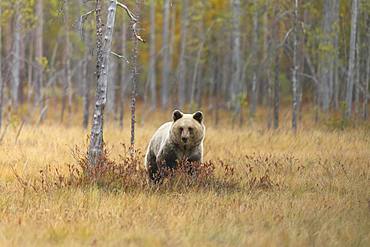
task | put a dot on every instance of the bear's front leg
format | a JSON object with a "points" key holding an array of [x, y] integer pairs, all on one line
{"points": [[152, 167]]}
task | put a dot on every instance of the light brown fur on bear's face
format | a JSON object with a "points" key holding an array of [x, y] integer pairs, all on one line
{"points": [[187, 129]]}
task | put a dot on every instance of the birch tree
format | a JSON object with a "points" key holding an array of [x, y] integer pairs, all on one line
{"points": [[85, 92], [123, 82], [236, 56], [335, 73], [254, 50], [103, 46], [276, 69], [367, 71], [152, 63], [182, 63], [39, 54], [15, 68], [351, 59], [327, 54], [166, 54], [67, 85], [104, 50], [295, 68], [135, 53]]}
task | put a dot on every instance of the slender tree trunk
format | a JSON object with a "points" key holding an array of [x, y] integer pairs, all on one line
{"points": [[135, 78], [166, 54], [295, 80], [15, 68], [1, 75], [253, 104], [367, 76], [172, 35], [67, 90], [39, 55], [111, 93], [236, 58], [276, 64], [30, 69], [103, 46], [199, 82], [351, 61], [336, 54], [152, 63], [276, 90], [85, 91], [182, 63], [327, 55], [357, 76], [22, 68], [123, 82], [86, 80]]}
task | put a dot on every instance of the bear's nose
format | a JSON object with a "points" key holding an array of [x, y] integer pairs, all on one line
{"points": [[184, 139]]}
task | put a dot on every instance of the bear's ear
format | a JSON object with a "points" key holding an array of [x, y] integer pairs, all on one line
{"points": [[176, 115], [198, 116]]}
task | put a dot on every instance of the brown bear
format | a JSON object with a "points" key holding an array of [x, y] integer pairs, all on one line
{"points": [[181, 139]]}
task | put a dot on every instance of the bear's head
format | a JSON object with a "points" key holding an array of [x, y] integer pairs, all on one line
{"points": [[187, 129]]}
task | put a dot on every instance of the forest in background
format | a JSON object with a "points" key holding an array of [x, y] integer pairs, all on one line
{"points": [[237, 56]]}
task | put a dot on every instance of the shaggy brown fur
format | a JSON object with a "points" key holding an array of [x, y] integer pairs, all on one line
{"points": [[179, 140]]}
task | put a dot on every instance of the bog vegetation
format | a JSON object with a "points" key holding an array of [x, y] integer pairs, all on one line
{"points": [[257, 69], [256, 187]]}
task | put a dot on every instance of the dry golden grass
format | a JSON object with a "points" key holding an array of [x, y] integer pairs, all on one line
{"points": [[303, 190]]}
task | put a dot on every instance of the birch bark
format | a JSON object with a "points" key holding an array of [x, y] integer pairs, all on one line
{"points": [[103, 45], [351, 59]]}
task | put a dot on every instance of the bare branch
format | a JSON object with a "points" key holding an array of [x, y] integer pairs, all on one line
{"points": [[120, 57], [128, 11], [81, 21], [285, 38], [133, 18], [136, 34], [84, 17]]}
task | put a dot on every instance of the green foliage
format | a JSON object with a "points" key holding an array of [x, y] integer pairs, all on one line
{"points": [[337, 123], [43, 61]]}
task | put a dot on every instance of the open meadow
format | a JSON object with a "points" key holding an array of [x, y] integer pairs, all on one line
{"points": [[269, 188]]}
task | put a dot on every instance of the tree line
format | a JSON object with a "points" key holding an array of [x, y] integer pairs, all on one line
{"points": [[234, 55]]}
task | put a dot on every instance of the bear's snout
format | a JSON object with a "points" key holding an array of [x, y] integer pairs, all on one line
{"points": [[184, 139]]}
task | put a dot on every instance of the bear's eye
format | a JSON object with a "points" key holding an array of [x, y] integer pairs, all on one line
{"points": [[181, 129], [190, 129]]}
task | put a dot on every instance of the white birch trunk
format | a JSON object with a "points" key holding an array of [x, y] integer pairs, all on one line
{"points": [[103, 45], [39, 54], [326, 56], [182, 63], [276, 93], [123, 81], [236, 56], [166, 54], [336, 82], [367, 76], [357, 76], [135, 53], [253, 105], [295, 81], [152, 63], [15, 67], [351, 60], [67, 86], [85, 92]]}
